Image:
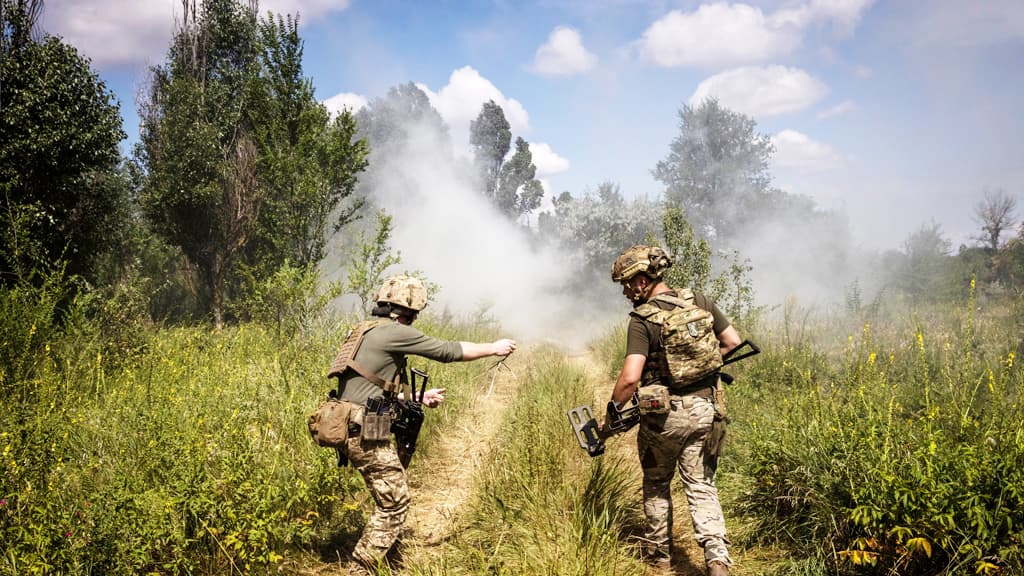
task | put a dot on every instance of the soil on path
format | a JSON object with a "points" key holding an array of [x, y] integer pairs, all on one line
{"points": [[442, 482]]}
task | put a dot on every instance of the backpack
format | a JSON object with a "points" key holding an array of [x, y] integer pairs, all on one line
{"points": [[689, 348]]}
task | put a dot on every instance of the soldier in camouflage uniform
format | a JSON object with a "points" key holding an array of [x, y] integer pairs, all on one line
{"points": [[674, 439], [381, 355]]}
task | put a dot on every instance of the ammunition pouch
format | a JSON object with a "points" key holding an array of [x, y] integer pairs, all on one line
{"points": [[329, 423], [377, 419]]}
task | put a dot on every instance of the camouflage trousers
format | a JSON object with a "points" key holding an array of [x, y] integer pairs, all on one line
{"points": [[384, 475], [671, 441]]}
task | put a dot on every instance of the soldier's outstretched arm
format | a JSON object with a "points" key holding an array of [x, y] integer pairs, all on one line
{"points": [[474, 350]]}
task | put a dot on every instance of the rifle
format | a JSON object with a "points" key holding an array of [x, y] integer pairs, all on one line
{"points": [[409, 418], [620, 419]]}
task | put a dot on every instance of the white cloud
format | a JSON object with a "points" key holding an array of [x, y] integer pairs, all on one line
{"points": [[716, 35], [761, 91], [548, 162], [113, 33], [354, 102], [863, 72], [723, 34], [117, 33], [563, 54], [459, 103], [837, 110], [843, 15], [798, 151]]}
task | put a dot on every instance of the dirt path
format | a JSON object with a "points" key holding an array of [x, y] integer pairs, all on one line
{"points": [[442, 482]]}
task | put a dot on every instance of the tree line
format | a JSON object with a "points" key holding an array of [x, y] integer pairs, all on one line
{"points": [[240, 173]]}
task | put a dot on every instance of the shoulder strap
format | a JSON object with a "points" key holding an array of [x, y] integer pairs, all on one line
{"points": [[647, 311], [346, 358]]}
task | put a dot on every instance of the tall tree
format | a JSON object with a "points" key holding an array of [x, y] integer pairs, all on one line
{"points": [[244, 168], [390, 121], [995, 213], [308, 162], [196, 144], [510, 184], [714, 165], [490, 135], [62, 193]]}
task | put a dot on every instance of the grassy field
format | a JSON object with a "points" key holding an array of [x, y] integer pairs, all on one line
{"points": [[881, 443]]}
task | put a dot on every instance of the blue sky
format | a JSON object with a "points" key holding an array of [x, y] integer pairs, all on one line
{"points": [[898, 113]]}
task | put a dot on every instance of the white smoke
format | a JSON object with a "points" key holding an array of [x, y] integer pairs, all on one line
{"points": [[482, 261]]}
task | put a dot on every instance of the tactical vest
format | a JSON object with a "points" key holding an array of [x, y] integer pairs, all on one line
{"points": [[346, 358], [689, 349]]}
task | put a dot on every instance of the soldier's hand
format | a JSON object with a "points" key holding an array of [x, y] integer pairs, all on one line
{"points": [[504, 347], [433, 397]]}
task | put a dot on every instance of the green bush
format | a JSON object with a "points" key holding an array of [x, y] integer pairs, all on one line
{"points": [[898, 451]]}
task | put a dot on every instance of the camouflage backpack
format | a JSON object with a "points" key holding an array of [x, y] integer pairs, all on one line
{"points": [[689, 347]]}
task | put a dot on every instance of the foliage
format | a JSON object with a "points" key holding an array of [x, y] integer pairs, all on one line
{"points": [[731, 288], [490, 135], [371, 259], [63, 195], [291, 300], [243, 167], [898, 450], [596, 226], [921, 269], [201, 192], [388, 122], [510, 184], [715, 166], [995, 213], [308, 162]]}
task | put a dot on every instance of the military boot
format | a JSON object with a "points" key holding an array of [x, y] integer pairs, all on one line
{"points": [[716, 568]]}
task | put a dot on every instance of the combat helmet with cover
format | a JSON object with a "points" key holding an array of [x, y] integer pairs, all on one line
{"points": [[649, 260], [405, 291]]}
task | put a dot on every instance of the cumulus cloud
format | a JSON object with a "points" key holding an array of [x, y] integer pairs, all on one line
{"points": [[723, 34], [563, 54], [114, 33], [843, 15], [546, 160], [798, 151], [716, 35], [354, 102], [459, 103], [761, 91], [838, 110]]}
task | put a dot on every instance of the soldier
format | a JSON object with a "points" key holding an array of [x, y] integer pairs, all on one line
{"points": [[674, 348], [378, 362]]}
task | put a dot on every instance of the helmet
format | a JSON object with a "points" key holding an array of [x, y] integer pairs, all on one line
{"points": [[650, 260], [405, 291]]}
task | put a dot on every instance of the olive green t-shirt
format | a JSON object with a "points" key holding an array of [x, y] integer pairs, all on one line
{"points": [[643, 336], [383, 352]]}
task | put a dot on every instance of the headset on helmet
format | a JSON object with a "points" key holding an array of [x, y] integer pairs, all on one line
{"points": [[405, 291], [650, 260]]}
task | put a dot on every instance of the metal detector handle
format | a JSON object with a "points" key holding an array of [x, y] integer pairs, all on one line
{"points": [[423, 387], [730, 357]]}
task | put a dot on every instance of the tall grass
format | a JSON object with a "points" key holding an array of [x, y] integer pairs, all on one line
{"points": [[190, 457], [897, 450], [541, 506]]}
